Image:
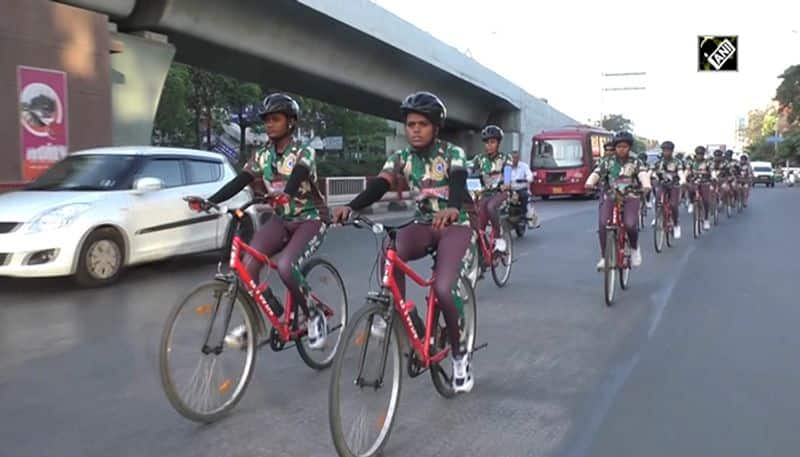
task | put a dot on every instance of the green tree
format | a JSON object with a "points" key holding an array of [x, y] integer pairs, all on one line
{"points": [[204, 97], [242, 101], [616, 123], [789, 149], [788, 93], [173, 118]]}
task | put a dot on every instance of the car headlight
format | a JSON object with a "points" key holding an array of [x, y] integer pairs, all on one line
{"points": [[56, 218]]}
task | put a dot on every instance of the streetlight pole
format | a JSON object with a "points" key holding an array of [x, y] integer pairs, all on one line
{"points": [[618, 89]]}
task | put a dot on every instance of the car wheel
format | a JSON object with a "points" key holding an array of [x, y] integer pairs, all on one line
{"points": [[101, 258], [545, 197]]}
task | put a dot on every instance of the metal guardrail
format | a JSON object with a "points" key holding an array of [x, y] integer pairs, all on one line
{"points": [[341, 189]]}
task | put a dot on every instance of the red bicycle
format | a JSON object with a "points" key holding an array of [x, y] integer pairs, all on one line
{"points": [[366, 375], [699, 211], [488, 257], [665, 221], [618, 249], [198, 346]]}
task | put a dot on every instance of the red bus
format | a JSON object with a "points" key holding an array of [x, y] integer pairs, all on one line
{"points": [[562, 159]]}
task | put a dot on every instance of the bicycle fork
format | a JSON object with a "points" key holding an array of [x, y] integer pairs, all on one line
{"points": [[378, 381], [233, 289]]}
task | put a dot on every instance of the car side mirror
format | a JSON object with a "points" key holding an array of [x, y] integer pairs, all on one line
{"points": [[147, 184]]}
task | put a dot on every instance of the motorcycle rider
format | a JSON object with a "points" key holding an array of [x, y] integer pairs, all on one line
{"points": [[521, 179]]}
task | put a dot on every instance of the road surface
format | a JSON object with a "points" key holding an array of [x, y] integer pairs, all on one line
{"points": [[696, 359]]}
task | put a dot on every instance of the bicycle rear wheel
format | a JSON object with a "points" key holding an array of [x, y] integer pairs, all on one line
{"points": [[501, 261], [669, 227], [610, 272], [216, 376], [625, 271], [328, 294], [365, 383], [442, 379], [729, 207], [659, 230]]}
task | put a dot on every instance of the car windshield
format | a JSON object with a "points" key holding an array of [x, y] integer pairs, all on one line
{"points": [[763, 169], [86, 172], [558, 153]]}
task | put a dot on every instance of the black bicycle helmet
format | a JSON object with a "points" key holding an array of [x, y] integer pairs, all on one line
{"points": [[729, 154], [700, 150], [623, 137], [279, 103], [744, 158], [426, 104], [718, 153], [491, 131], [668, 145]]}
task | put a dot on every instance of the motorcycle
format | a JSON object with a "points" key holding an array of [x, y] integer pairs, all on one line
{"points": [[520, 216]]}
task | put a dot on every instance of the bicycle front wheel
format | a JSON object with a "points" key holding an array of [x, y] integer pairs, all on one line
{"points": [[610, 267], [443, 379], [501, 261], [365, 383], [659, 230], [697, 220], [205, 368], [328, 296]]}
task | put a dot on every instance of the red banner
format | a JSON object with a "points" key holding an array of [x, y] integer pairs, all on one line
{"points": [[43, 119]]}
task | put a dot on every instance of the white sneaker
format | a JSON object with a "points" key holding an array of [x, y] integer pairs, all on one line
{"points": [[462, 374], [500, 245], [317, 331], [636, 257], [378, 328], [676, 232], [707, 225], [691, 208], [237, 338], [649, 205], [653, 224], [601, 265]]}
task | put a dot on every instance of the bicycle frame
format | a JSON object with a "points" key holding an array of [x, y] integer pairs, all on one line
{"points": [[666, 206], [284, 328], [404, 308], [617, 224]]}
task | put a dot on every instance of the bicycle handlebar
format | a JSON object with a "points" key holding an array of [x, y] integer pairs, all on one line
{"points": [[359, 221], [268, 199]]}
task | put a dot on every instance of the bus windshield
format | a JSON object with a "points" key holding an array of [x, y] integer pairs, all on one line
{"points": [[558, 153]]}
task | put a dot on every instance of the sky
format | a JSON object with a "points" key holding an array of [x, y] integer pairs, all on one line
{"points": [[559, 49]]}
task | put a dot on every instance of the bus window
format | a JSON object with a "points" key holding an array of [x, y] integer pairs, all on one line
{"points": [[558, 154]]}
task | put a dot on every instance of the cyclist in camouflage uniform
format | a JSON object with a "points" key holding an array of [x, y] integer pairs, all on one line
{"points": [[669, 173], [700, 174], [627, 174], [437, 170], [285, 165], [745, 177], [490, 165]]}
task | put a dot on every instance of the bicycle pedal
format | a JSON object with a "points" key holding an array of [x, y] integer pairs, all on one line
{"points": [[480, 346]]}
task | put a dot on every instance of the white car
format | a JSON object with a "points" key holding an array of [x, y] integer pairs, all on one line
{"points": [[100, 210]]}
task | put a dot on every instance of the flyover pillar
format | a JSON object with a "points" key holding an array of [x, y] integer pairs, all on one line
{"points": [[139, 67]]}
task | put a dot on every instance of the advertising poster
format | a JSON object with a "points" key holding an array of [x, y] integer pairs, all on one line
{"points": [[43, 119]]}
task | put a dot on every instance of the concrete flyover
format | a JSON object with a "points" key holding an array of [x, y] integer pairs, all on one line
{"points": [[354, 54]]}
